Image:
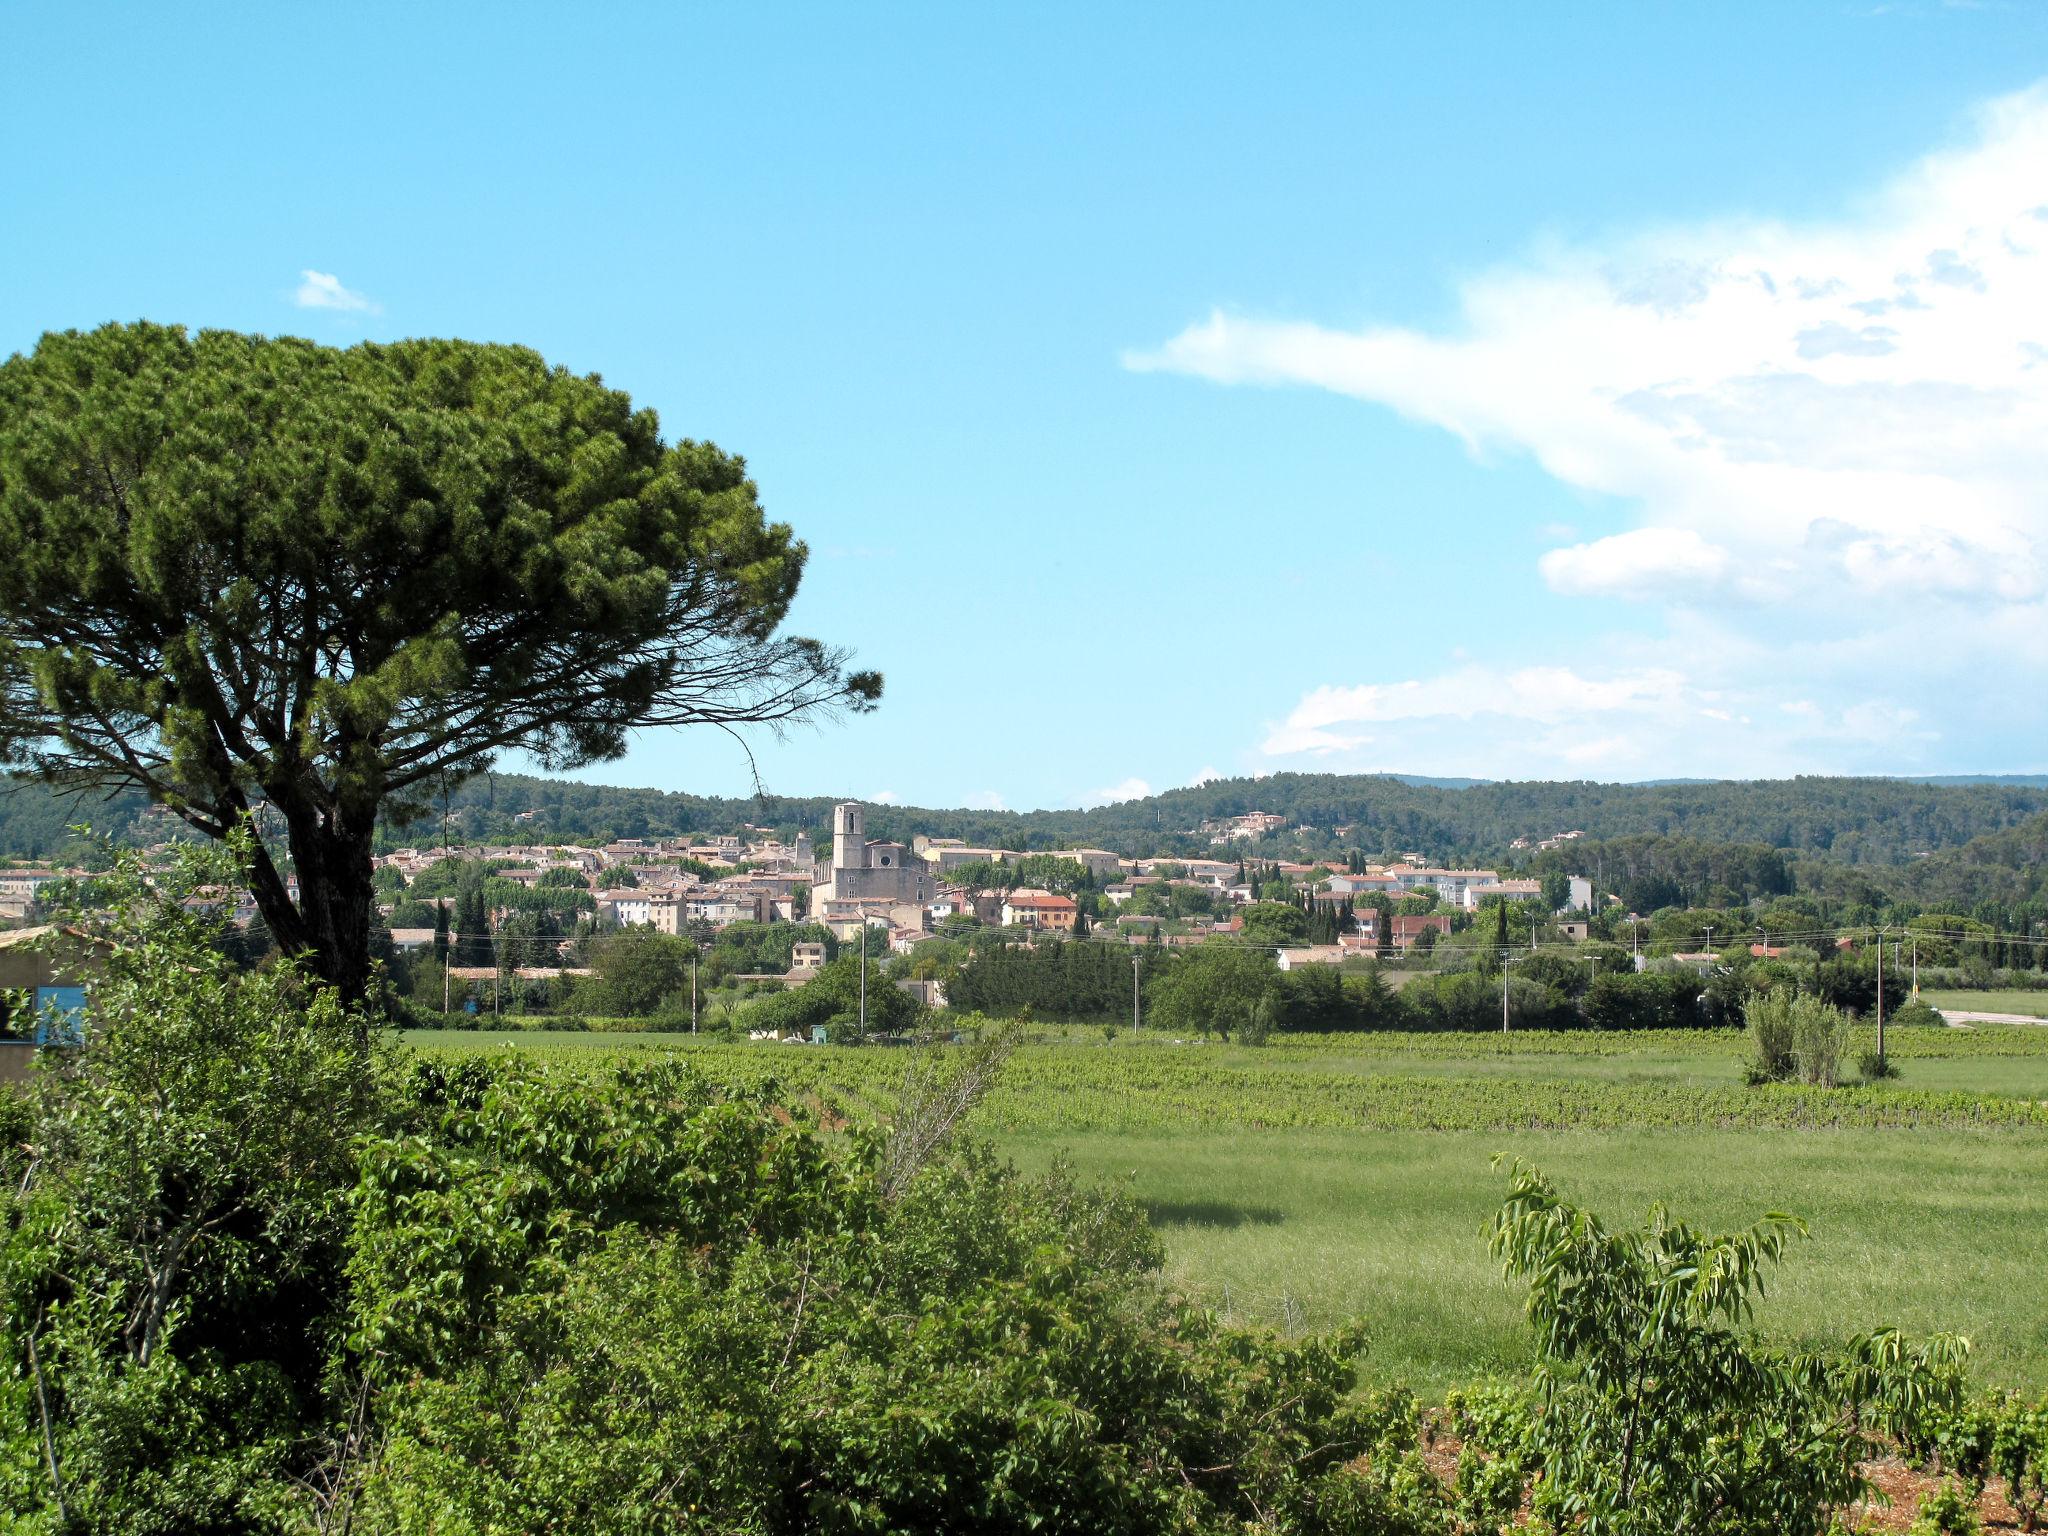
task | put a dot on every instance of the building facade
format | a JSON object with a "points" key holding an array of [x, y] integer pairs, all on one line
{"points": [[856, 870]]}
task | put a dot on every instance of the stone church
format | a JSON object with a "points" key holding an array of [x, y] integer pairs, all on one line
{"points": [[880, 874]]}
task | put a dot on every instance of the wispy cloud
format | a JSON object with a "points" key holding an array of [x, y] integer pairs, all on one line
{"points": [[1617, 723], [1833, 435], [1133, 788], [323, 290], [985, 800], [884, 797]]}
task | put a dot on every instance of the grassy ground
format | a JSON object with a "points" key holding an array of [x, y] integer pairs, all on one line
{"points": [[1929, 1230], [1322, 1179], [2034, 1003]]}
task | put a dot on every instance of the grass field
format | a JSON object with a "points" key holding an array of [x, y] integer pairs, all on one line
{"points": [[2034, 1003], [1322, 1179]]}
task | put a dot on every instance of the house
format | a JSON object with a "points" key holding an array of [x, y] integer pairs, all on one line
{"points": [[1498, 890], [945, 857], [1038, 909], [1099, 862], [52, 967], [21, 890], [406, 940], [1410, 926], [1314, 954], [1581, 897]]}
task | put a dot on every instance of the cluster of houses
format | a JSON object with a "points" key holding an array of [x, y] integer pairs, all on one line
{"points": [[852, 882]]}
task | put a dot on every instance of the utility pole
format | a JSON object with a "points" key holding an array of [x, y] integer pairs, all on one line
{"points": [[1880, 1002], [863, 974], [1136, 1021], [1503, 994], [1916, 967], [693, 988]]}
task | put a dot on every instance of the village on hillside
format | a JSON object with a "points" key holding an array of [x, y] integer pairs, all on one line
{"points": [[900, 894]]}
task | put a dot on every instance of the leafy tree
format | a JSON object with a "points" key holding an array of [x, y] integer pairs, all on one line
{"points": [[1658, 1413], [1849, 982], [635, 969], [832, 998], [251, 571], [472, 926], [1212, 988], [1273, 922], [1652, 1000], [632, 1302]]}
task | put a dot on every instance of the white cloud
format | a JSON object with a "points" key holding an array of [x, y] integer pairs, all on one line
{"points": [[1133, 788], [1640, 563], [1558, 722], [985, 800], [1205, 776], [1748, 383], [1831, 436], [323, 290], [884, 797]]}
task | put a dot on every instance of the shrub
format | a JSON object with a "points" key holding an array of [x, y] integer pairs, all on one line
{"points": [[1792, 1036], [1657, 1411], [632, 1301], [1948, 1511]]}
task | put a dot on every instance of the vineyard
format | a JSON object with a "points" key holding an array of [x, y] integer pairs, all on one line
{"points": [[1323, 1178], [1568, 1080]]}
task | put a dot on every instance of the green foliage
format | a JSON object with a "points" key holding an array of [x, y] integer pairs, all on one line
{"points": [[482, 553], [1273, 922], [1795, 1036], [833, 998], [1651, 1000], [638, 1304], [635, 968], [1849, 982], [1214, 988], [173, 1250], [1658, 1413], [1948, 1511]]}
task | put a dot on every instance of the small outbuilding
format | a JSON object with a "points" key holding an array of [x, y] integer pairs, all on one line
{"points": [[44, 974]]}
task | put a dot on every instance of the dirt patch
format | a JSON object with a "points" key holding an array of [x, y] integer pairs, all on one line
{"points": [[1903, 1486]]}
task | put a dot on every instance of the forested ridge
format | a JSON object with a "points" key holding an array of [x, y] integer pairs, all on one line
{"points": [[1867, 822]]}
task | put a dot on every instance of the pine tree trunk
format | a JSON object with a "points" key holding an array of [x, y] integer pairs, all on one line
{"points": [[328, 927]]}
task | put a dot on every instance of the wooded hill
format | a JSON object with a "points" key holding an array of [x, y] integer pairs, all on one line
{"points": [[1949, 831]]}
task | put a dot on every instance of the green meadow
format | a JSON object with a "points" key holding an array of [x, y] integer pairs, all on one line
{"points": [[1317, 1180]]}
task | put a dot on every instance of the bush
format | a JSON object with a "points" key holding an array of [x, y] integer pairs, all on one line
{"points": [[1948, 1511], [633, 1302], [1652, 1000], [1916, 1015], [1658, 1411], [1792, 1036]]}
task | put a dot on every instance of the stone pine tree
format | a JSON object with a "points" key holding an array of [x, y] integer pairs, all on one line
{"points": [[250, 573]]}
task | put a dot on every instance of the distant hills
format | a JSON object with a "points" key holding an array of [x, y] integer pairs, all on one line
{"points": [[1856, 822]]}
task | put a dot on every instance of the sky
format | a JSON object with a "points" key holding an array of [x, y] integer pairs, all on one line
{"points": [[1606, 391]]}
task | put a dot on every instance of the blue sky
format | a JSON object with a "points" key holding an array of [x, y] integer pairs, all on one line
{"points": [[1610, 391]]}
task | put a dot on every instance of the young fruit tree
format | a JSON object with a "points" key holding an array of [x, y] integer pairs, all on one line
{"points": [[251, 574]]}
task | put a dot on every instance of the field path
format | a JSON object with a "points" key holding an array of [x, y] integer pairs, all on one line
{"points": [[1957, 1017]]}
